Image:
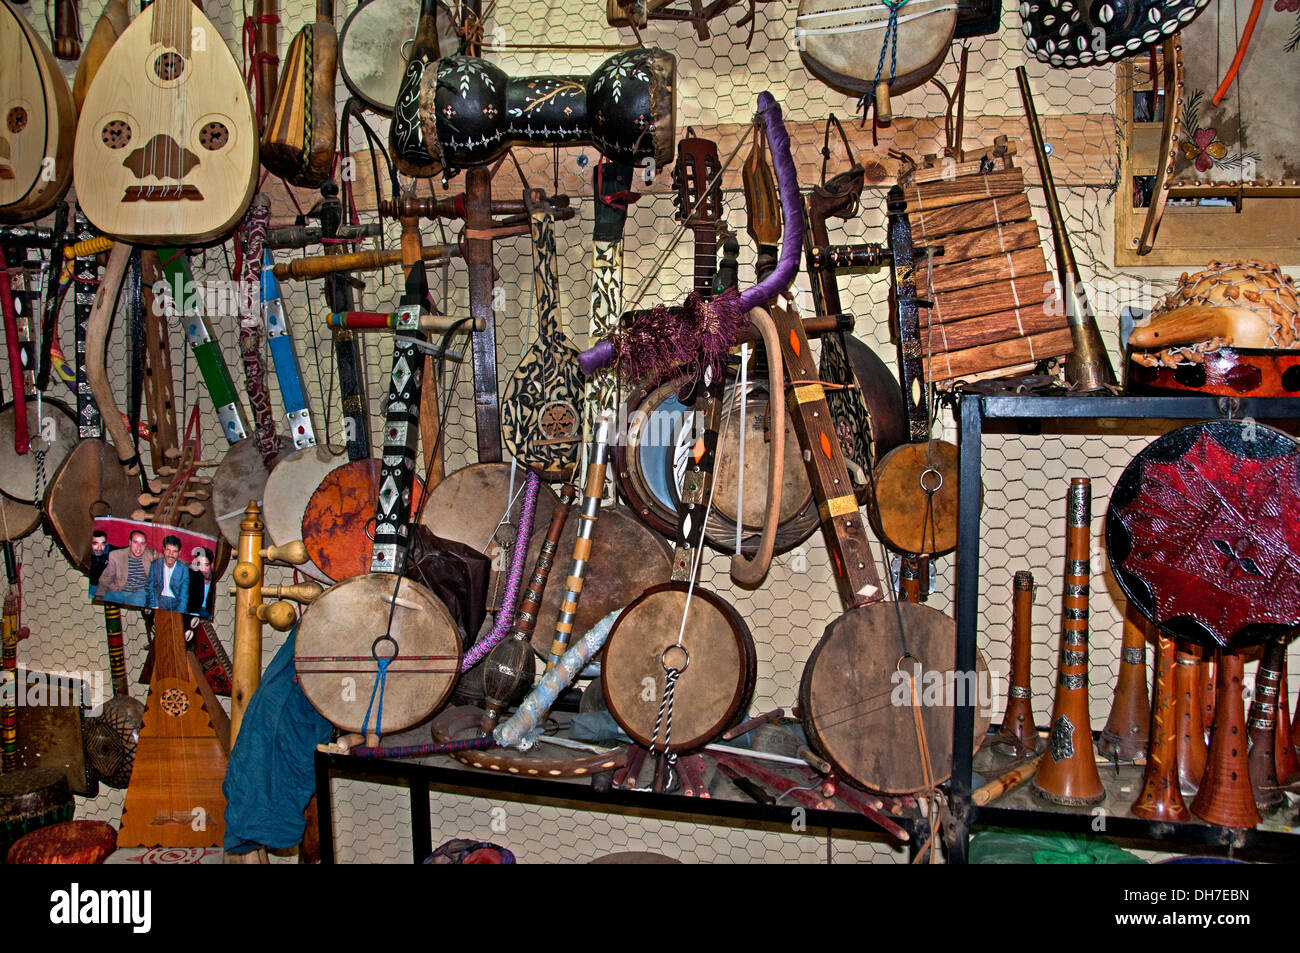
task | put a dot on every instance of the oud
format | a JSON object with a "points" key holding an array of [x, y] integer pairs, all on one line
{"points": [[166, 148], [38, 119]]}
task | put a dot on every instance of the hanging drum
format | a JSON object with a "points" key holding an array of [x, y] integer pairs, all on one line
{"points": [[1071, 33], [856, 699], [53, 436], [649, 467], [1203, 536]]}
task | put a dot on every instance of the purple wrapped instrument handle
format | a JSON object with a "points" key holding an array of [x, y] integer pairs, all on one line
{"points": [[787, 181]]}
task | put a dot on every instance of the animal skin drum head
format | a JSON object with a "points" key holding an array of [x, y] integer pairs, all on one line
{"points": [[1073, 33], [1203, 533]]}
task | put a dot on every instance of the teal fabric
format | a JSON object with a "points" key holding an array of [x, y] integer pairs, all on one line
{"points": [[270, 778]]}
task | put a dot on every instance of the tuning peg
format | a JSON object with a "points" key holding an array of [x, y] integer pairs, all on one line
{"points": [[303, 592], [294, 553], [281, 615], [172, 453], [140, 516]]}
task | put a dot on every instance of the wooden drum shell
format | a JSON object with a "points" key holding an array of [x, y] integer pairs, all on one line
{"points": [[714, 689]]}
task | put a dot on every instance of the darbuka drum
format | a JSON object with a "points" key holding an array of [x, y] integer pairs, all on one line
{"points": [[372, 34], [716, 659], [242, 476], [339, 521], [53, 436], [856, 703], [91, 482], [342, 631], [289, 488]]}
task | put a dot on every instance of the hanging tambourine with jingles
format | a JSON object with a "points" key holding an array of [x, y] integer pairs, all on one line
{"points": [[1074, 33]]}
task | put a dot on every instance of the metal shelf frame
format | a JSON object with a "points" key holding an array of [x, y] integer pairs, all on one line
{"points": [[975, 409]]}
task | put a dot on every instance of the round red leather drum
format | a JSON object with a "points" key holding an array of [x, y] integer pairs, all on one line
{"points": [[71, 842]]}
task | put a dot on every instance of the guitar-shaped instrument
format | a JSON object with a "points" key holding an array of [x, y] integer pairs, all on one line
{"points": [[92, 471], [174, 797], [37, 123], [175, 163], [540, 411], [298, 142]]}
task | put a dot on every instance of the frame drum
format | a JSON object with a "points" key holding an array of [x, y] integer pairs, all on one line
{"points": [[716, 682], [856, 703], [338, 524], [242, 476], [19, 519], [372, 33], [18, 471], [289, 487], [342, 631]]}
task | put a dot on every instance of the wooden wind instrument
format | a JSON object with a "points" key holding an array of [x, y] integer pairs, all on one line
{"points": [[1006, 782], [300, 133], [1018, 728], [1068, 775], [1189, 712], [1088, 368], [1162, 798], [304, 269], [1288, 765], [1225, 796], [508, 670], [1261, 727], [266, 57], [591, 496], [1126, 733]]}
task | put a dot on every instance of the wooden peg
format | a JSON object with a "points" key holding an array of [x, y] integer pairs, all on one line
{"points": [[281, 615], [294, 553]]}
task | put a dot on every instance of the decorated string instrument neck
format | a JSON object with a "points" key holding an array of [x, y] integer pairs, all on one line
{"points": [[911, 353]]}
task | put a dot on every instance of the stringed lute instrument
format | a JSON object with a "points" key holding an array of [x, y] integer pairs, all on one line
{"points": [[37, 122], [298, 142], [166, 148]]}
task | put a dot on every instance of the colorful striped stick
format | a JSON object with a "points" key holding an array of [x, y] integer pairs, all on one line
{"points": [[592, 493], [212, 366], [297, 412], [116, 650]]}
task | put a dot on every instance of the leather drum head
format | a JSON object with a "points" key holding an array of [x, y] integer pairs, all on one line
{"points": [[369, 43], [339, 522], [626, 559], [18, 520], [715, 686], [289, 487], [336, 641], [856, 704], [52, 438], [241, 477], [1203, 533]]}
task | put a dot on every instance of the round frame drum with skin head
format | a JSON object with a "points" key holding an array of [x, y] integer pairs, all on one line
{"points": [[718, 667], [18, 520], [18, 471], [338, 523], [856, 702], [340, 631], [289, 488], [899, 512], [371, 35], [91, 482], [242, 476]]}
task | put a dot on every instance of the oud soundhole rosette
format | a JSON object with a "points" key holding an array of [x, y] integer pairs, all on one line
{"points": [[16, 120], [175, 702], [169, 66], [116, 134], [558, 422], [214, 135]]}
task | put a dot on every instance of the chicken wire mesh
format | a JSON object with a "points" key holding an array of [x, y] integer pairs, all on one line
{"points": [[717, 81]]}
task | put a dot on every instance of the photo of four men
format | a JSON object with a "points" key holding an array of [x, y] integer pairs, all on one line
{"points": [[131, 572]]}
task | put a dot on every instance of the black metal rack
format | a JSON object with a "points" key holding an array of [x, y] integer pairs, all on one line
{"points": [[441, 773], [975, 409]]}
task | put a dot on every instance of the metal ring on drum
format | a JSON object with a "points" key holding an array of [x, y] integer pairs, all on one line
{"points": [[336, 652]]}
